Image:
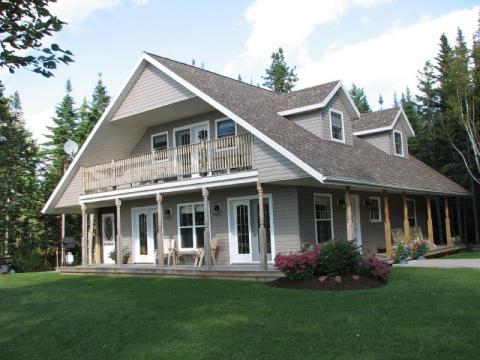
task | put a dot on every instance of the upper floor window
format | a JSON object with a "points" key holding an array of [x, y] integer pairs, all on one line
{"points": [[398, 142], [375, 209], [226, 128], [160, 141], [336, 126]]}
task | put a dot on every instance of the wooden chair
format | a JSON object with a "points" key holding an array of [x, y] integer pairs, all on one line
{"points": [[199, 255], [172, 252], [398, 236], [213, 251], [417, 234]]}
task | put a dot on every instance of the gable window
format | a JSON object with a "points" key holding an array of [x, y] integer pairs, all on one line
{"points": [[225, 128], [160, 141], [323, 217], [398, 142], [412, 212], [191, 226], [375, 209], [336, 126]]}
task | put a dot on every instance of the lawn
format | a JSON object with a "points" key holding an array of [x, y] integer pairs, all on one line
{"points": [[421, 314], [463, 255]]}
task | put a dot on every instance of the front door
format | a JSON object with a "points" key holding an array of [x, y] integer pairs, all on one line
{"points": [[108, 237], [144, 235], [244, 230]]}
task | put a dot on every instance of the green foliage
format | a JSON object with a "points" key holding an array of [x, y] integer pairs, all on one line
{"points": [[359, 98], [28, 259], [338, 257], [279, 76], [24, 26]]}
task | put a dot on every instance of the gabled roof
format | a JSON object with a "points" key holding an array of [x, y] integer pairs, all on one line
{"points": [[257, 110], [379, 121]]}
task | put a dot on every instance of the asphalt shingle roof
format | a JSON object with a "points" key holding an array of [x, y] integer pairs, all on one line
{"points": [[362, 162], [375, 119]]}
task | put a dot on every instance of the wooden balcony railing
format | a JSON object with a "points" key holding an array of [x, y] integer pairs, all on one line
{"points": [[204, 159]]}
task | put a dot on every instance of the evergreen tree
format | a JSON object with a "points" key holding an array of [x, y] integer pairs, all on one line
{"points": [[395, 103], [427, 98], [279, 76], [239, 77], [359, 98], [380, 101]]}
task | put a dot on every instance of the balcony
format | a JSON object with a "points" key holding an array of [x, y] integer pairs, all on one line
{"points": [[207, 158]]}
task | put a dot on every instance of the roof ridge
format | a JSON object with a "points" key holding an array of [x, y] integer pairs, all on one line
{"points": [[311, 87], [214, 73]]}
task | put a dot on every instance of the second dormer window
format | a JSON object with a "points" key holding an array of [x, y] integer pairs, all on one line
{"points": [[397, 137], [336, 126]]}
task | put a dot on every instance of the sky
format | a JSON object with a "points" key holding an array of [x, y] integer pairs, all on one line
{"points": [[377, 44]]}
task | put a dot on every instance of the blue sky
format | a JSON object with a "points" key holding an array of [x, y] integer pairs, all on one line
{"points": [[378, 44]]}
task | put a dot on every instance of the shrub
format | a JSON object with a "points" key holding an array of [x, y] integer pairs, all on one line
{"points": [[338, 257], [420, 248], [401, 251], [28, 260], [375, 268], [298, 266]]}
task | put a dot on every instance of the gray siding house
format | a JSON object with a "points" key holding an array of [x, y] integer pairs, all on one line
{"points": [[188, 159]]}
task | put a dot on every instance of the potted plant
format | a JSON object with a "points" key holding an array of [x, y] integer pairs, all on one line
{"points": [[420, 248], [401, 252], [125, 256]]}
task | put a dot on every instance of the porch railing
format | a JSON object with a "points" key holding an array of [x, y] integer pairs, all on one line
{"points": [[205, 158]]}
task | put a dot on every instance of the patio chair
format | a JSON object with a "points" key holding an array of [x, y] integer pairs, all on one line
{"points": [[417, 234], [172, 252], [213, 251], [398, 236]]}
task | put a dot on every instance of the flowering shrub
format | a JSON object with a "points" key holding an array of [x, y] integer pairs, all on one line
{"points": [[375, 268], [338, 257], [298, 266], [420, 248], [401, 251]]}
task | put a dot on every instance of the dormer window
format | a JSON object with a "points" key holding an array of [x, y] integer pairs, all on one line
{"points": [[398, 141], [337, 126]]}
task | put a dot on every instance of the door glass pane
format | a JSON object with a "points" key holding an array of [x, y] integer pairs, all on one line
{"points": [[187, 237], [182, 137], [186, 215], [202, 134], [243, 230], [267, 225], [155, 230], [199, 215], [142, 233], [108, 228]]}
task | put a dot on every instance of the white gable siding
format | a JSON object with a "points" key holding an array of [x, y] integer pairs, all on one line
{"points": [[72, 192], [311, 121], [153, 89], [380, 140]]}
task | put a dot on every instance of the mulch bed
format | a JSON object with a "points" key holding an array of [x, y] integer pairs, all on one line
{"points": [[329, 284]]}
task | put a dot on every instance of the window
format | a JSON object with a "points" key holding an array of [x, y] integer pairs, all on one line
{"points": [[412, 212], [375, 209], [397, 137], [182, 137], [226, 128], [160, 141], [336, 126], [191, 226], [323, 218]]}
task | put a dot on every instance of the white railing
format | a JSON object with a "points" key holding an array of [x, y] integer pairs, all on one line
{"points": [[205, 158]]}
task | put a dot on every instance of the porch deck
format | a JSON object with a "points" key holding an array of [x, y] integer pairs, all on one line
{"points": [[440, 250], [243, 272]]}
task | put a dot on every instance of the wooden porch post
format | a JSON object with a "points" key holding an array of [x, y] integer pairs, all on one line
{"points": [[90, 238], [448, 231], [118, 204], [262, 233], [406, 224], [348, 204], [429, 219], [159, 229], [84, 234], [98, 244], [206, 236], [388, 228], [459, 219], [62, 236]]}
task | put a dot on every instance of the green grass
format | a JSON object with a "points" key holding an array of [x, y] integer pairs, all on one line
{"points": [[463, 255], [420, 314]]}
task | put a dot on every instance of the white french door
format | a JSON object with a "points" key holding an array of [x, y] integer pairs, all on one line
{"points": [[144, 234], [108, 237]]}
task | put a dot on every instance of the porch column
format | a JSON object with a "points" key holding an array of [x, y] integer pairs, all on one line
{"points": [[459, 219], [159, 229], [406, 224], [429, 219], [98, 244], [388, 228], [262, 232], [84, 234], [348, 208], [206, 210], [62, 239], [90, 237], [118, 204], [448, 232]]}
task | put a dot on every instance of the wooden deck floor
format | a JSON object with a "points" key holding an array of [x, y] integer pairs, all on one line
{"points": [[244, 272], [440, 250]]}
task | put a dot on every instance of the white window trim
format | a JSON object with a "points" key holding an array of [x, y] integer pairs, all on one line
{"points": [[190, 126], [158, 134], [222, 119], [414, 211], [377, 198], [315, 214], [194, 227], [395, 145], [343, 125]]}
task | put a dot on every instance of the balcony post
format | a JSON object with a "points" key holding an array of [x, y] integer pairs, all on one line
{"points": [[206, 237], [159, 229], [118, 204], [114, 175], [262, 232], [84, 235]]}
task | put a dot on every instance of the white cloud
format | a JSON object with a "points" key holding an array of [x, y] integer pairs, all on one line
{"points": [[364, 19], [288, 24], [37, 123], [74, 12], [141, 2], [388, 62]]}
